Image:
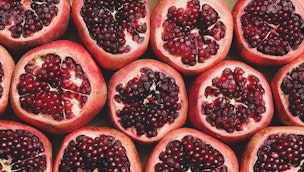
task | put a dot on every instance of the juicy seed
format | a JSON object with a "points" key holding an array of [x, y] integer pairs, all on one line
{"points": [[24, 23], [103, 153], [280, 152], [293, 86], [21, 149], [149, 102], [236, 100], [190, 154], [109, 21], [272, 27], [192, 33], [53, 87], [1, 79]]}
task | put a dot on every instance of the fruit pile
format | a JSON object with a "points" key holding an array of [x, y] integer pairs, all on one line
{"points": [[138, 85]]}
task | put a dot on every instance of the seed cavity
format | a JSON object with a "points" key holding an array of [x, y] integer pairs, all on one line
{"points": [[53, 87], [272, 26], [111, 22], [192, 33], [190, 154], [147, 102], [102, 153], [233, 100]]}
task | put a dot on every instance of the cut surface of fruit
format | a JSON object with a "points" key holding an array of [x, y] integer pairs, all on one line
{"points": [[57, 87]]}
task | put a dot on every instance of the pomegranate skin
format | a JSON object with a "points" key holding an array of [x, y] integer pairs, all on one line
{"points": [[197, 97], [280, 99], [95, 100], [105, 59], [8, 65], [133, 70], [159, 15], [252, 55], [52, 32], [230, 158], [249, 155], [93, 132], [14, 125]]}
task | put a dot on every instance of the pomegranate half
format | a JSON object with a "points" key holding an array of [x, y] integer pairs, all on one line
{"points": [[269, 32], [276, 148], [97, 149], [26, 24], [147, 98], [24, 148], [115, 32], [191, 35], [230, 101], [288, 92], [187, 149], [7, 66], [57, 87]]}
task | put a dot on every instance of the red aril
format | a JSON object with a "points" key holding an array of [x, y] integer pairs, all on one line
{"points": [[97, 149], [231, 101], [26, 24], [7, 66], [24, 148], [191, 35], [146, 99], [187, 149], [269, 32], [115, 32], [277, 148], [288, 92], [57, 87]]}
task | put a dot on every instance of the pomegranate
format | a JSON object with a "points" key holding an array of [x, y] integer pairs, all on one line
{"points": [[115, 32], [187, 149], [24, 148], [7, 66], [276, 148], [230, 101], [269, 32], [288, 92], [191, 35], [57, 87], [147, 98], [26, 24], [97, 149]]}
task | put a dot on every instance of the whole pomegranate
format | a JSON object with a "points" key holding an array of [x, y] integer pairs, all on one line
{"points": [[231, 101], [97, 149], [187, 149], [57, 87], [269, 32], [288, 91], [7, 66], [115, 32], [277, 148], [191, 35], [30, 23], [24, 148], [146, 99]]}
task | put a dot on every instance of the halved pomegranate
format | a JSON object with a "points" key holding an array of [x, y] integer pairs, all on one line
{"points": [[230, 101], [7, 66], [26, 24], [191, 35], [57, 87], [97, 149], [288, 92], [115, 32], [277, 148], [147, 98], [187, 149], [24, 148], [269, 32]]}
